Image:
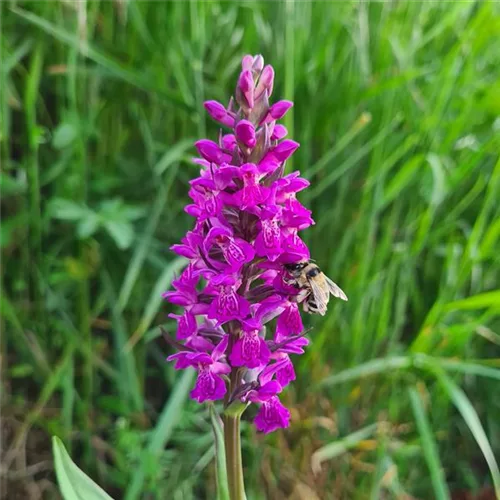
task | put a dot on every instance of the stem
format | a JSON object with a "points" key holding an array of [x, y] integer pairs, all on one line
{"points": [[233, 457]]}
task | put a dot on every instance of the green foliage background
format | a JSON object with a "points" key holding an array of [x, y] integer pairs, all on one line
{"points": [[397, 109]]}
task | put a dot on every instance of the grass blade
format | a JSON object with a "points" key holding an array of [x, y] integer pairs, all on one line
{"points": [[469, 414], [135, 78], [429, 447], [340, 446], [373, 367], [155, 300]]}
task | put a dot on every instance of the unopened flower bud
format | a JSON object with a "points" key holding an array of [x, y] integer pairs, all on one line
{"points": [[279, 132], [219, 113], [245, 132], [285, 149], [211, 152], [246, 86], [229, 142], [247, 62], [266, 81], [258, 64], [279, 109]]}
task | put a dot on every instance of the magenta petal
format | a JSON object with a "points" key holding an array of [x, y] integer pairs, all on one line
{"points": [[185, 359], [215, 109], [286, 374], [279, 109], [272, 415], [220, 368], [220, 350], [229, 142], [290, 321], [186, 325], [269, 390], [183, 250], [211, 152], [285, 149], [279, 132], [250, 351], [208, 387], [228, 305]]}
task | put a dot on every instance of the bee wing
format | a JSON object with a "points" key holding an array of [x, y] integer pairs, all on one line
{"points": [[320, 296], [334, 289]]}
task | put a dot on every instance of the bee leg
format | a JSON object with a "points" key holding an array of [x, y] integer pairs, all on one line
{"points": [[292, 282], [302, 296]]}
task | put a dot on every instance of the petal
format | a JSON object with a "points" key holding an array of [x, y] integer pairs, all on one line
{"points": [[279, 131], [285, 149], [220, 350], [279, 109], [272, 415], [208, 387]]}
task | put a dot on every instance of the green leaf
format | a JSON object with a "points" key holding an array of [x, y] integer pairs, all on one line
{"points": [[68, 210], [220, 455], [74, 484], [64, 135], [429, 447], [121, 232], [88, 225], [10, 185]]}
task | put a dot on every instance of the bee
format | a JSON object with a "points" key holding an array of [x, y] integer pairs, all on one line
{"points": [[315, 286]]}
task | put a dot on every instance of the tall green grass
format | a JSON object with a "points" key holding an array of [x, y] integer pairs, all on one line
{"points": [[397, 112]]}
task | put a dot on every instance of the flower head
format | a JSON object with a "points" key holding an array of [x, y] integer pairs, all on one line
{"points": [[247, 224]]}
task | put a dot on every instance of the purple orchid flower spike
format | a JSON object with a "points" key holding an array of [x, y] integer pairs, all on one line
{"points": [[240, 325]]}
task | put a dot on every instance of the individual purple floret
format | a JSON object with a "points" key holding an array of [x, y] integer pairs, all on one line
{"points": [[240, 323]]}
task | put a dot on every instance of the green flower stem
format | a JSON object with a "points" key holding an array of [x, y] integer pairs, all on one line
{"points": [[232, 444]]}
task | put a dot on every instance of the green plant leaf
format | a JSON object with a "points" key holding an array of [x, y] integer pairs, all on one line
{"points": [[64, 135], [480, 301], [10, 185], [88, 225], [68, 210], [74, 484], [121, 232]]}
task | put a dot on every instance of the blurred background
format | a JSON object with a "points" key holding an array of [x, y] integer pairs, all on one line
{"points": [[397, 109]]}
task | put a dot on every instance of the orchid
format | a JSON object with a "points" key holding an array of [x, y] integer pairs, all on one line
{"points": [[241, 323]]}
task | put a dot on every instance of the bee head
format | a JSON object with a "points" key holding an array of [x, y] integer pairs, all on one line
{"points": [[295, 266]]}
